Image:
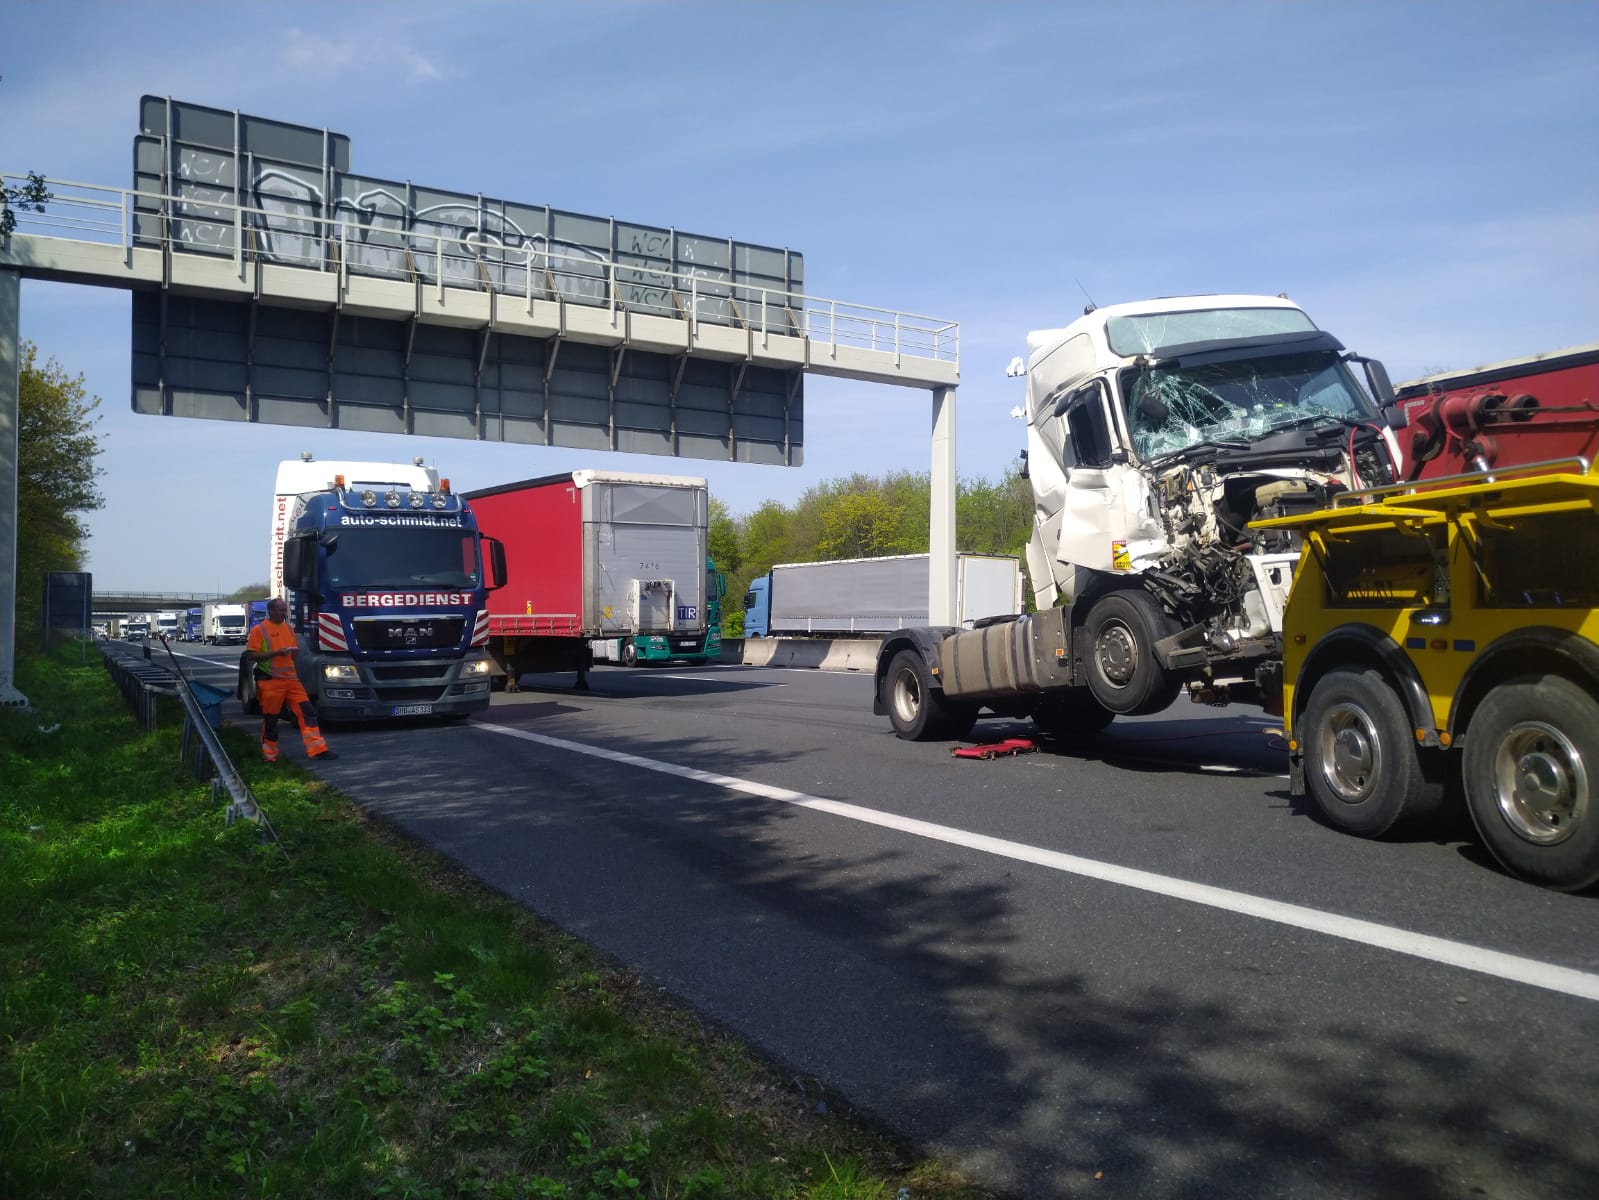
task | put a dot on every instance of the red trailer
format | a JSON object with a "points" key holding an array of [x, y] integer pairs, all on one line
{"points": [[593, 556], [1528, 410]]}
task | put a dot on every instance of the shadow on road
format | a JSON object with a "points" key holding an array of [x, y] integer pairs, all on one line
{"points": [[905, 978]]}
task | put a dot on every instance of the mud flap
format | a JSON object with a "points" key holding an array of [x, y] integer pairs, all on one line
{"points": [[244, 689]]}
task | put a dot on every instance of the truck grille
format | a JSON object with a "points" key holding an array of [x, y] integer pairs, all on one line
{"points": [[411, 671], [395, 695], [408, 633]]}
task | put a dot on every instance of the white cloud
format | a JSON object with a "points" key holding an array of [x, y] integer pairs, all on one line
{"points": [[326, 56]]}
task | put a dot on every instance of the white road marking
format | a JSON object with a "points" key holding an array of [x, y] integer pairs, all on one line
{"points": [[1566, 980]]}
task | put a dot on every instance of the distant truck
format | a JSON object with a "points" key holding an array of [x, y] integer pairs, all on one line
{"points": [[664, 648], [193, 628], [866, 597], [595, 556], [257, 613], [1508, 414], [387, 580], [168, 625], [136, 628], [223, 625]]}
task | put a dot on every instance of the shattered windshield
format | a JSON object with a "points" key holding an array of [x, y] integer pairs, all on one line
{"points": [[1171, 409], [1150, 333], [403, 558]]}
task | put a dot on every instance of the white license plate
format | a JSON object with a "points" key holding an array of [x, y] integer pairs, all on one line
{"points": [[411, 710]]}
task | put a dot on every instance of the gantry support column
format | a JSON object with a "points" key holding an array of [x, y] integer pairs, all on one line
{"points": [[10, 402], [941, 524]]}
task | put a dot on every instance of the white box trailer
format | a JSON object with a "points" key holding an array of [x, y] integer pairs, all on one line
{"points": [[878, 595]]}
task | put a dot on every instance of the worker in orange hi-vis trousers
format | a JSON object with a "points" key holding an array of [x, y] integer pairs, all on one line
{"points": [[272, 648]]}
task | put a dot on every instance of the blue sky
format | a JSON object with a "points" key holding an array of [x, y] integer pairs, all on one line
{"points": [[1423, 178]]}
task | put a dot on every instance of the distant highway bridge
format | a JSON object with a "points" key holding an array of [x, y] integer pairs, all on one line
{"points": [[121, 604]]}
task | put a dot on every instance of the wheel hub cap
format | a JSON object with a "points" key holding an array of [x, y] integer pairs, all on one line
{"points": [[1541, 783], [1118, 654], [1351, 753], [907, 696]]}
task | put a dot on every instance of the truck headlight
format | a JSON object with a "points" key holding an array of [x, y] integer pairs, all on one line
{"points": [[478, 666], [340, 672]]}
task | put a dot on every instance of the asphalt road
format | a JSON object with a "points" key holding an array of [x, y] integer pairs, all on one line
{"points": [[1130, 967]]}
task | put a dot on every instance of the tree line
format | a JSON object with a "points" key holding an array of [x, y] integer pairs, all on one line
{"points": [[862, 516], [57, 481]]}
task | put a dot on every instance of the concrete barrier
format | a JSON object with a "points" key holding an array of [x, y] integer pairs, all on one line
{"points": [[822, 654]]}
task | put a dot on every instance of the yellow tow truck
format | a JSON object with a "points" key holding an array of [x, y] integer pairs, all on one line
{"points": [[1449, 629]]}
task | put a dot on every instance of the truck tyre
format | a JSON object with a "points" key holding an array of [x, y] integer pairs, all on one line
{"points": [[1072, 714], [629, 653], [1121, 631], [916, 708], [1362, 764], [1530, 770]]}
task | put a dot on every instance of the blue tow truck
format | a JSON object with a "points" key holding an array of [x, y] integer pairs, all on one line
{"points": [[386, 576]]}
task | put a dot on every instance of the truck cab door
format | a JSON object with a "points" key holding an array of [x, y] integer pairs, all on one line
{"points": [[1100, 484]]}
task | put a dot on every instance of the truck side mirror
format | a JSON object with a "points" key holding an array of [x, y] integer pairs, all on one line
{"points": [[292, 572], [299, 565], [1377, 382], [497, 572]]}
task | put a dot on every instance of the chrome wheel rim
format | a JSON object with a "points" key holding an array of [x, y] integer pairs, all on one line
{"points": [[1540, 783], [907, 696], [1351, 753]]}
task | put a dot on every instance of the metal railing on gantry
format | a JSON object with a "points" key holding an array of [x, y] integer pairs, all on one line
{"points": [[452, 257]]}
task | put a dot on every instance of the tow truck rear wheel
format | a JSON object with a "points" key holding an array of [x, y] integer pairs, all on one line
{"points": [[916, 708], [1123, 673], [629, 653], [1531, 767], [1362, 765]]}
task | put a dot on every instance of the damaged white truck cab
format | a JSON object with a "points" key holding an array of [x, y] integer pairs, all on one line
{"points": [[1156, 432]]}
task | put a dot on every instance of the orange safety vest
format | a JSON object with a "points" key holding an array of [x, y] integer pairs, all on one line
{"points": [[276, 637]]}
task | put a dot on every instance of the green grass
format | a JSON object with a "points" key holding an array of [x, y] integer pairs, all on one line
{"points": [[189, 1012]]}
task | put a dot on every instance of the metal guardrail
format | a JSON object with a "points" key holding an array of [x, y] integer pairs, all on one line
{"points": [[130, 218], [145, 683]]}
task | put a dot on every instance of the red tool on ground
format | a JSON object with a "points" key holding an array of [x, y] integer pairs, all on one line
{"points": [[1016, 745]]}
